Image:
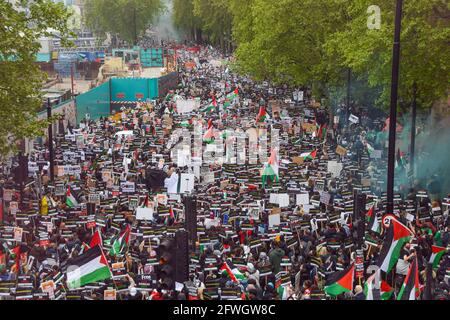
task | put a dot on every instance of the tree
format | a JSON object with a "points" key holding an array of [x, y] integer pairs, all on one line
{"points": [[216, 21], [185, 19], [20, 78], [284, 41], [128, 19], [425, 54]]}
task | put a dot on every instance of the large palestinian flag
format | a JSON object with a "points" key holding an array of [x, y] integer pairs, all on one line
{"points": [[89, 267], [386, 290], [322, 132], [369, 287], [372, 221], [411, 288], [309, 155], [70, 199], [397, 235], [96, 239], [436, 255], [270, 170], [340, 282], [209, 135], [210, 107], [120, 242], [232, 272], [262, 115], [233, 95]]}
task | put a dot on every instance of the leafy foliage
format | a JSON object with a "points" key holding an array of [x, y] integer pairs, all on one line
{"points": [[126, 18], [20, 78]]}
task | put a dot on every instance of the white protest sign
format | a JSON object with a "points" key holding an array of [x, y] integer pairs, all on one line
{"points": [[187, 182], [144, 214], [353, 119], [128, 187], [376, 154], [334, 168], [49, 287], [211, 223], [187, 106], [302, 198], [273, 198], [13, 206], [274, 220], [325, 198], [18, 234], [283, 200]]}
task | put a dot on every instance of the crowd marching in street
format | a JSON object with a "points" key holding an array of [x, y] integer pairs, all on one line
{"points": [[289, 201]]}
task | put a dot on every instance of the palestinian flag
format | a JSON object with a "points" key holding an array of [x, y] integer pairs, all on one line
{"points": [[96, 239], [209, 135], [369, 287], [370, 149], [340, 282], [211, 107], [282, 292], [262, 115], [372, 221], [15, 254], [120, 242], [233, 95], [397, 235], [400, 160], [309, 155], [386, 290], [322, 132], [270, 170], [70, 199], [89, 267], [226, 104], [411, 288], [234, 274], [436, 255]]}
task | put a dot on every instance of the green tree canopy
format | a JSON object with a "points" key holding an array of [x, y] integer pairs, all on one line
{"points": [[425, 53], [21, 80], [284, 41], [184, 17], [128, 19]]}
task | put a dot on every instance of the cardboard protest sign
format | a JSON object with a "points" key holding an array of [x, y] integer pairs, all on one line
{"points": [[298, 160], [309, 127], [341, 151]]}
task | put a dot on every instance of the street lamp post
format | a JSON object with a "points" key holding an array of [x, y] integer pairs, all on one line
{"points": [[393, 111], [50, 140]]}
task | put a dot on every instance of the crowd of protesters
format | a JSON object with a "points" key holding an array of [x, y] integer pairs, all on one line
{"points": [[276, 237]]}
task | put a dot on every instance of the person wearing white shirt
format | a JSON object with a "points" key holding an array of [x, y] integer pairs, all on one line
{"points": [[171, 182]]}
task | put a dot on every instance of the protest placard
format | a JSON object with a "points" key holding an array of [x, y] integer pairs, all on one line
{"points": [[341, 151], [353, 119]]}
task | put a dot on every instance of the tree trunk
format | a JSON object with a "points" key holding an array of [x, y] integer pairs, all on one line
{"points": [[413, 131]]}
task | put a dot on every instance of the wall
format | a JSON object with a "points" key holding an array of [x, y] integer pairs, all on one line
{"points": [[95, 102]]}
